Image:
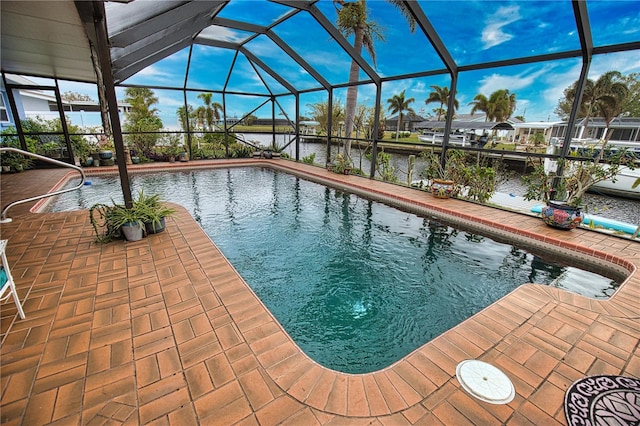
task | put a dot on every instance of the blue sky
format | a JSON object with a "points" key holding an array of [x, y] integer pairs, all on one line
{"points": [[472, 31]]}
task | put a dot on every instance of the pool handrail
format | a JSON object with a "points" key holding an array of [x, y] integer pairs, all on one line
{"points": [[3, 215]]}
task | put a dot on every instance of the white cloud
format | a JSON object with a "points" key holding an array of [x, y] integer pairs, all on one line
{"points": [[625, 62], [153, 75], [559, 82], [216, 32], [493, 33], [512, 82]]}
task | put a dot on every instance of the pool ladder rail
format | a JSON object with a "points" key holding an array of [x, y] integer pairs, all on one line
{"points": [[3, 215], [7, 285]]}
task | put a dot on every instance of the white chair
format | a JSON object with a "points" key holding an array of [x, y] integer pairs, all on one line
{"points": [[6, 281]]}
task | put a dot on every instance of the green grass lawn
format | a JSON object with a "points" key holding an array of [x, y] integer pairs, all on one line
{"points": [[413, 139]]}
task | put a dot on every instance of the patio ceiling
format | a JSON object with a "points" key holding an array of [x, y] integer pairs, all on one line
{"points": [[45, 38]]}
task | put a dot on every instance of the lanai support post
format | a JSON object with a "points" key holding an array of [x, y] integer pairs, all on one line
{"points": [[376, 126], [63, 124], [329, 125], [14, 113], [586, 44], [104, 57], [449, 117], [297, 126]]}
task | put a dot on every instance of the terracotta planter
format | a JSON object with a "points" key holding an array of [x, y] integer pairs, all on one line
{"points": [[561, 216], [441, 188]]}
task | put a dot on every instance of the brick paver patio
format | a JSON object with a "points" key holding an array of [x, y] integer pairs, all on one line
{"points": [[164, 331]]}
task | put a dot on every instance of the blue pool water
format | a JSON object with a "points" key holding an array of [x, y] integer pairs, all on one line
{"points": [[357, 284]]}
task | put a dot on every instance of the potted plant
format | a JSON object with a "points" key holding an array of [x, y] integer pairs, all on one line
{"points": [[184, 155], [14, 162], [342, 165], [172, 149], [51, 149], [146, 216], [153, 212], [112, 221], [103, 222], [562, 194], [442, 179], [130, 221]]}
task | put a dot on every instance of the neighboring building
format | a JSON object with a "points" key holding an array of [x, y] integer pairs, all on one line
{"points": [[42, 103], [6, 119], [269, 122], [525, 131], [473, 126], [309, 127], [230, 122], [408, 122], [470, 117], [624, 129]]}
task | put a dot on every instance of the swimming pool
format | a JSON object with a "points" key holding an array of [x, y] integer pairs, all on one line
{"points": [[357, 284]]}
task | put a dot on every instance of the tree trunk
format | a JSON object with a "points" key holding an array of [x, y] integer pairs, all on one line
{"points": [[352, 93]]}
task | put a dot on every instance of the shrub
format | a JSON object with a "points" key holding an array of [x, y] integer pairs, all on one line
{"points": [[309, 159]]}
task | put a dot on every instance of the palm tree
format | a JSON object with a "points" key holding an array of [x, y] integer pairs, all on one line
{"points": [[481, 103], [611, 95], [142, 120], [441, 96], [182, 116], [320, 113], [353, 20], [210, 112], [185, 119], [498, 107], [606, 96], [398, 104]]}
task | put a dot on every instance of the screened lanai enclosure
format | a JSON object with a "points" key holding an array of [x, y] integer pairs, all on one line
{"points": [[350, 70]]}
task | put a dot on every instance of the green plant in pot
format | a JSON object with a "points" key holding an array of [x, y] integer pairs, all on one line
{"points": [[563, 194], [112, 221], [444, 180], [342, 165], [130, 222], [146, 216], [479, 182], [153, 210]]}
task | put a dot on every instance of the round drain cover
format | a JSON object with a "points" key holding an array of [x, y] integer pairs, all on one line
{"points": [[485, 382]]}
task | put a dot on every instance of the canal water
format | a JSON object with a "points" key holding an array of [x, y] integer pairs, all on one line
{"points": [[622, 209]]}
